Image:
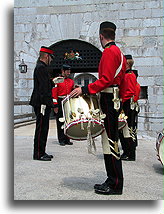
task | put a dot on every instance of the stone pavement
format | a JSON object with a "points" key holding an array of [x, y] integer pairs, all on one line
{"points": [[73, 172]]}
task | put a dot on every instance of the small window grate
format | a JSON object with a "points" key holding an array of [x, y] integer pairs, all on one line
{"points": [[144, 92]]}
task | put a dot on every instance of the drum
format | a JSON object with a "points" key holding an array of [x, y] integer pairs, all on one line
{"points": [[122, 120], [82, 115], [159, 147]]}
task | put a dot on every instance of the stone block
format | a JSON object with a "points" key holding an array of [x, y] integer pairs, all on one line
{"points": [[149, 31], [27, 11], [148, 61], [149, 70], [72, 28], [22, 83], [153, 22], [26, 109], [146, 81], [131, 50], [159, 31], [93, 29], [156, 126], [150, 51], [158, 90], [141, 119], [132, 41], [87, 17], [18, 37], [152, 4], [131, 32], [22, 92], [30, 90], [22, 19], [157, 12], [30, 84], [126, 14], [120, 24], [17, 109], [42, 19], [112, 6], [120, 33], [160, 108], [18, 46], [141, 126], [158, 80], [132, 6], [160, 99], [144, 13], [133, 23], [150, 41], [152, 108], [55, 24], [152, 99], [161, 4]]}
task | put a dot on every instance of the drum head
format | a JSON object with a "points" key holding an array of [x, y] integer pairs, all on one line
{"points": [[77, 130], [161, 151]]}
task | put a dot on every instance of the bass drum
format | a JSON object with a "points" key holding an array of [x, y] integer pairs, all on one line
{"points": [[82, 116], [159, 147]]}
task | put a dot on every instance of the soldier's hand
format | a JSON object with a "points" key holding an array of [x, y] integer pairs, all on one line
{"points": [[76, 92]]}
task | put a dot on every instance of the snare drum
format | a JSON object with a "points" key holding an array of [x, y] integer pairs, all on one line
{"points": [[82, 114], [159, 147]]}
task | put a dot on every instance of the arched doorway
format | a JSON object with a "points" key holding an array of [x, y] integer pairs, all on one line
{"points": [[82, 56]]}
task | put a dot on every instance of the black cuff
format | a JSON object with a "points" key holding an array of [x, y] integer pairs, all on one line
{"points": [[85, 89]]}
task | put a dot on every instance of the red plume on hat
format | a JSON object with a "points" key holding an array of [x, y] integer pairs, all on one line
{"points": [[47, 50]]}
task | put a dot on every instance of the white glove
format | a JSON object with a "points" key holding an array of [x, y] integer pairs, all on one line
{"points": [[58, 80], [42, 109]]}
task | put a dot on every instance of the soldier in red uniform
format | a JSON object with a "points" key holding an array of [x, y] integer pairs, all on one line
{"points": [[138, 87], [128, 91], [58, 93], [111, 71], [136, 105]]}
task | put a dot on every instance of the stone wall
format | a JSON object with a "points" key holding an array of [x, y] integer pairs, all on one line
{"points": [[139, 32]]}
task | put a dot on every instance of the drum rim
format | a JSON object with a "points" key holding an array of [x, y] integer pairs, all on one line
{"points": [[85, 121], [160, 151]]}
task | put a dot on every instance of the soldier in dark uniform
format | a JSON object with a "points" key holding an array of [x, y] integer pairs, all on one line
{"points": [[111, 71], [60, 91], [41, 100], [128, 90]]}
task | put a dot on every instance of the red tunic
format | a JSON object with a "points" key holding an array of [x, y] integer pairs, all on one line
{"points": [[128, 86], [62, 89], [137, 92], [109, 63]]}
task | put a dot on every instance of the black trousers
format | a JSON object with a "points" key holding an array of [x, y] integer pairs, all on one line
{"points": [[113, 165], [41, 131], [129, 144], [62, 138]]}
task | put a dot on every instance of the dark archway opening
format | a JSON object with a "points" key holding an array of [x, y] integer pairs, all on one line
{"points": [[82, 56]]}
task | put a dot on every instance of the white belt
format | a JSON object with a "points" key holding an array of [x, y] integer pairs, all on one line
{"points": [[108, 90], [61, 97]]}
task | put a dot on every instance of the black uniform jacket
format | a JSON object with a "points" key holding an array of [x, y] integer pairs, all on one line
{"points": [[42, 86]]}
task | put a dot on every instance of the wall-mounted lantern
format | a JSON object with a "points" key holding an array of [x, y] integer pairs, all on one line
{"points": [[23, 67]]}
